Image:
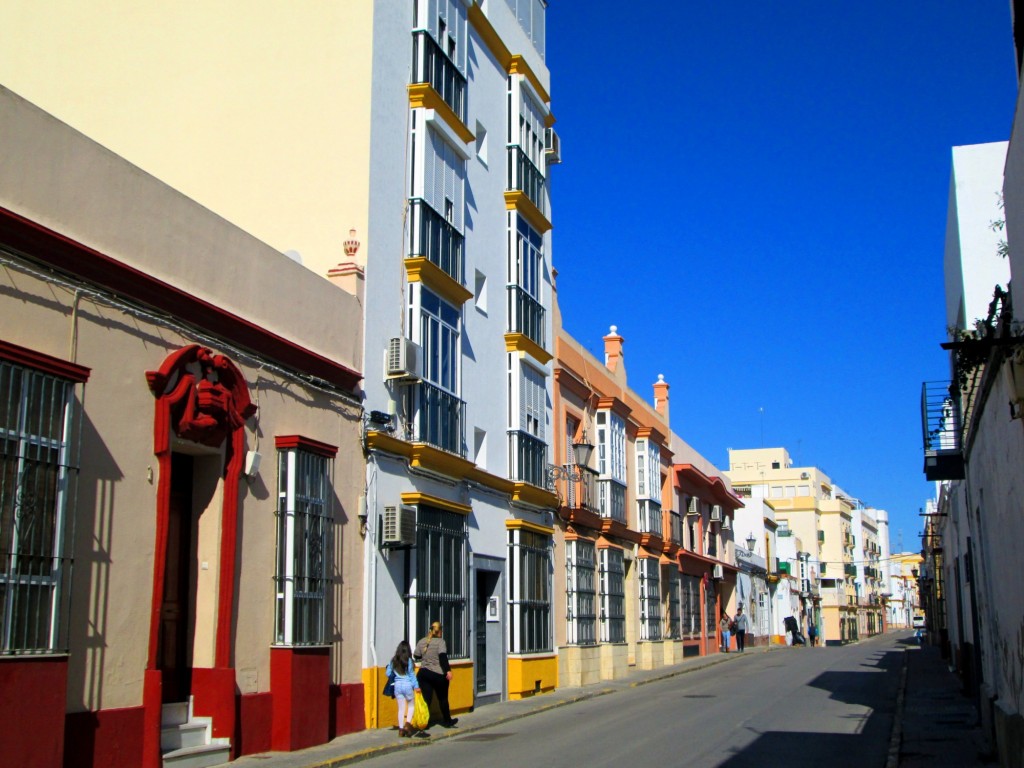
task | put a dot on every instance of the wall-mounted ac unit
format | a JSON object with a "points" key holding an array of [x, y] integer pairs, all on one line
{"points": [[727, 524], [404, 361], [716, 513], [552, 146], [805, 476], [693, 508], [399, 528], [718, 573]]}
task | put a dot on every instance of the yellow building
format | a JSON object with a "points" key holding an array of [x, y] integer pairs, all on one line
{"points": [[904, 602]]}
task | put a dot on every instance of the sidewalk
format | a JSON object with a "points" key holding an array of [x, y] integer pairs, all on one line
{"points": [[359, 746], [935, 725]]}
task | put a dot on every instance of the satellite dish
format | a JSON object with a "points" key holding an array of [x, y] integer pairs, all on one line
{"points": [[294, 256]]}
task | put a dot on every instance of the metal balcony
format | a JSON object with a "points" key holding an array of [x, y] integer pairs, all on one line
{"points": [[612, 499], [436, 240], [940, 426], [528, 458], [432, 65], [441, 419], [524, 176], [525, 315]]}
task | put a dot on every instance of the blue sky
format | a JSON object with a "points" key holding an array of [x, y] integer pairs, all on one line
{"points": [[755, 194]]}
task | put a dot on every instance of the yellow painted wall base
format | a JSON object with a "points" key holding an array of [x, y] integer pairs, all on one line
{"points": [[530, 675], [382, 711]]}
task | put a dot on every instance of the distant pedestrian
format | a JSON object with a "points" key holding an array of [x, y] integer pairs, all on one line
{"points": [[741, 623], [435, 672], [812, 632], [724, 625], [406, 685]]}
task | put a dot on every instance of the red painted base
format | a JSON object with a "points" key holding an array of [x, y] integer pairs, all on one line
{"points": [[32, 696], [346, 710], [255, 721], [299, 680], [107, 737]]}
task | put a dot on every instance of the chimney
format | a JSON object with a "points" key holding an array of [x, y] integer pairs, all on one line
{"points": [[661, 396], [612, 349]]}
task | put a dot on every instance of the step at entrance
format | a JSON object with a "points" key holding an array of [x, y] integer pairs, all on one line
{"points": [[186, 741]]}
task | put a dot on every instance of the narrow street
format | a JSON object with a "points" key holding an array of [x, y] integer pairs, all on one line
{"points": [[792, 707]]}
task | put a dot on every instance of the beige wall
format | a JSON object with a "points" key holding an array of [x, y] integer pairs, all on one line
{"points": [[54, 176], [257, 109]]}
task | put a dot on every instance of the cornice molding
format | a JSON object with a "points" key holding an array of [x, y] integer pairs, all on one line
{"points": [[423, 95], [422, 270], [516, 200], [520, 342]]}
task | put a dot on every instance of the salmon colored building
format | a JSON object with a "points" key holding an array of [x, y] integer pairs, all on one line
{"points": [[181, 457], [635, 592]]}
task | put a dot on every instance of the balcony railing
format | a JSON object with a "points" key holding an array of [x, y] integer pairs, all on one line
{"points": [[527, 458], [525, 315], [525, 176], [940, 425], [430, 64], [578, 494], [442, 419], [611, 499], [436, 240], [649, 516]]}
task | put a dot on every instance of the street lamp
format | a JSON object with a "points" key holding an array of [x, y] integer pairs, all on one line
{"points": [[580, 458], [751, 540]]}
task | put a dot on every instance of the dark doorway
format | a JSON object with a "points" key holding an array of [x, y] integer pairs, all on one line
{"points": [[175, 610]]}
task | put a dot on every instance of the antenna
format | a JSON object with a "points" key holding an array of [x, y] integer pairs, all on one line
{"points": [[761, 410]]}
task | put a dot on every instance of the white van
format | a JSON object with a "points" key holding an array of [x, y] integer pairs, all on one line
{"points": [[918, 621]]}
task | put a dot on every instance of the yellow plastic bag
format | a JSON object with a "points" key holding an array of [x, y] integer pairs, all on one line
{"points": [[420, 713]]}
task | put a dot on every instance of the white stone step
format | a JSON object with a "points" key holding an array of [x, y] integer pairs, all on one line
{"points": [[194, 733], [175, 714], [198, 757]]}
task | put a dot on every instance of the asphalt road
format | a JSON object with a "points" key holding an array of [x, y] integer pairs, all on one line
{"points": [[791, 707]]}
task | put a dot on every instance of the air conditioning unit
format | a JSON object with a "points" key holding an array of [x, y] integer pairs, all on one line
{"points": [[727, 524], [693, 508], [552, 146], [718, 572], [404, 361], [805, 476], [399, 527], [716, 513]]}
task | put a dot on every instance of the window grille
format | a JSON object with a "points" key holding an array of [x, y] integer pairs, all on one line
{"points": [[440, 590], [580, 593], [690, 605], [304, 526], [650, 599], [38, 479], [673, 620], [613, 596], [530, 577]]}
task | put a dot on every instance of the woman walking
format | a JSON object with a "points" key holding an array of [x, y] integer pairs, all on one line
{"points": [[406, 685], [723, 626], [435, 671]]}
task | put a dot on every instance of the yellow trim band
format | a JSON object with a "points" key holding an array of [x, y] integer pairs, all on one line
{"points": [[423, 95], [515, 200], [524, 525], [518, 66], [534, 496], [519, 342], [435, 501], [422, 270]]}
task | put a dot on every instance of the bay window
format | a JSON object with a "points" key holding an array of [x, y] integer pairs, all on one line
{"points": [[611, 464], [648, 478]]}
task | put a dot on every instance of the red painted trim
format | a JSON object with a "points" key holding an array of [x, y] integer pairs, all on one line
{"points": [[346, 710], [63, 253], [152, 696], [229, 546], [284, 442], [300, 680], [213, 692], [719, 491], [42, 362], [33, 691]]}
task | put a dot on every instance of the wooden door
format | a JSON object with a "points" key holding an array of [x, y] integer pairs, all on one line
{"points": [[175, 609]]}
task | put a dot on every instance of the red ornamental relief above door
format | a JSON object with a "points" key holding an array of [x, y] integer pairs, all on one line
{"points": [[206, 394]]}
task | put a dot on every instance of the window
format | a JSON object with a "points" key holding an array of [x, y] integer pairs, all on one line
{"points": [[440, 588], [38, 471], [530, 15], [648, 476], [580, 593], [690, 605], [528, 444], [530, 576], [613, 596], [525, 301], [304, 520], [650, 598], [440, 417], [673, 625], [611, 464]]}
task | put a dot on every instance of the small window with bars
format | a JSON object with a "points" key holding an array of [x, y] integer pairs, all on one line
{"points": [[38, 478], [650, 598], [581, 595], [440, 589], [304, 526], [530, 578]]}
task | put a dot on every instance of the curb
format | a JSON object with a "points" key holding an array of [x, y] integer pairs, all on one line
{"points": [[896, 738]]}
